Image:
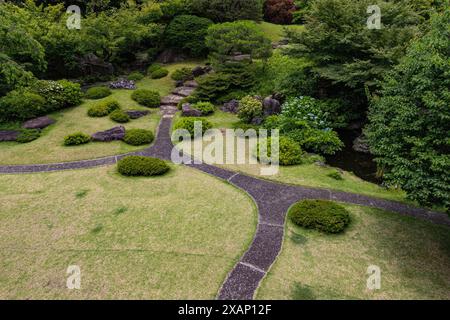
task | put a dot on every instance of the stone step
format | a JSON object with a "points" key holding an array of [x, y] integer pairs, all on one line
{"points": [[183, 91], [171, 99], [191, 83]]}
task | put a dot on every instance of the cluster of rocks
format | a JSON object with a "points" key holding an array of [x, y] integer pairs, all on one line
{"points": [[123, 84], [200, 71], [116, 133], [271, 106], [36, 123], [92, 65], [188, 111]]}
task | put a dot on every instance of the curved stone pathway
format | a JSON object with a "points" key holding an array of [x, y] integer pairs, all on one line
{"points": [[272, 199]]}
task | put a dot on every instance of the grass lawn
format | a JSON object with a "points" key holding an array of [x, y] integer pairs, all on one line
{"points": [[413, 255], [146, 238], [49, 148], [275, 32]]}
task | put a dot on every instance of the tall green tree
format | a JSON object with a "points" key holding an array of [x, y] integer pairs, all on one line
{"points": [[228, 10], [347, 55], [409, 129]]}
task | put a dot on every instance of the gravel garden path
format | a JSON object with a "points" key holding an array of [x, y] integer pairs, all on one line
{"points": [[272, 199]]}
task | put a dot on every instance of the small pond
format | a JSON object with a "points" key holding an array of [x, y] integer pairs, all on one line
{"points": [[361, 164]]}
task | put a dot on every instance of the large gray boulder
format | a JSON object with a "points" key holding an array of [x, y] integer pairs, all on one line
{"points": [[188, 111], [170, 56], [8, 135], [116, 133], [38, 123], [231, 106], [271, 106]]}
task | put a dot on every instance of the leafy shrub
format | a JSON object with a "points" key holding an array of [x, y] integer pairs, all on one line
{"points": [[119, 116], [182, 74], [21, 105], [321, 215], [289, 154], [138, 137], [336, 175], [249, 108], [187, 33], [308, 109], [322, 141], [153, 68], [160, 73], [188, 124], [58, 94], [97, 92], [148, 98], [135, 76], [104, 108], [206, 108], [245, 126], [279, 11], [97, 111], [142, 166], [76, 139], [29, 135]]}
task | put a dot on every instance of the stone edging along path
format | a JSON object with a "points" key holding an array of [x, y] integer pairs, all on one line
{"points": [[272, 199]]}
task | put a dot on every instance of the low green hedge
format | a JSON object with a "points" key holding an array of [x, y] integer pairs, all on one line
{"points": [[119, 116], [207, 108], [104, 108], [325, 216], [76, 139], [135, 76], [290, 152], [189, 122], [142, 166], [182, 74], [138, 137], [153, 68], [28, 135], [97, 93], [160, 73], [148, 98]]}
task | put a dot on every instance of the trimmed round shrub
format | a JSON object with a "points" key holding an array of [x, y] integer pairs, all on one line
{"points": [[97, 93], [28, 135], [21, 105], [207, 108], [290, 152], [153, 68], [119, 116], [142, 166], [76, 139], [58, 94], [182, 74], [160, 73], [138, 137], [103, 109], [249, 108], [148, 98], [189, 122], [325, 216], [135, 76]]}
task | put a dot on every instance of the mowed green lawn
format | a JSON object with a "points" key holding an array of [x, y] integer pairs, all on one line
{"points": [[170, 237], [276, 32], [413, 256], [49, 148]]}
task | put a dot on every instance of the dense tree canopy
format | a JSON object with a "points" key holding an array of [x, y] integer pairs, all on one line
{"points": [[409, 128], [228, 10]]}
